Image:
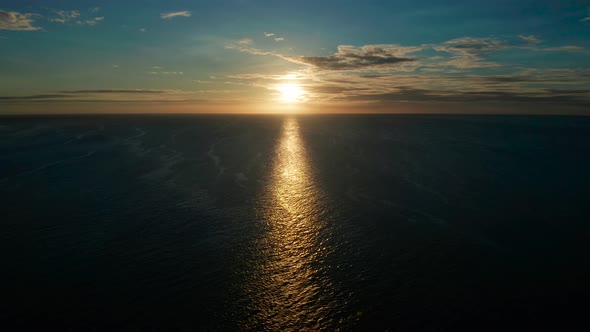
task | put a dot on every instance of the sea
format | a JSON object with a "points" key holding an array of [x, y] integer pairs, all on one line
{"points": [[294, 222]]}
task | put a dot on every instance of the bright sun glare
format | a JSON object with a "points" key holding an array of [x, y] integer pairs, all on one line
{"points": [[290, 93]]}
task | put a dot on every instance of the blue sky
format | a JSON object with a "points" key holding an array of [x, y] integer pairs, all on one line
{"points": [[352, 56]]}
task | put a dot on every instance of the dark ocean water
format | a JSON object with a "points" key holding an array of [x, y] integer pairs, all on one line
{"points": [[295, 222]]}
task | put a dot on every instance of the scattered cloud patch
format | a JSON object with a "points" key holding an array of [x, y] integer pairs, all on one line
{"points": [[64, 16], [170, 15], [268, 34], [17, 21], [355, 58], [142, 30], [246, 41], [94, 10], [67, 16], [279, 39], [530, 39], [91, 22], [468, 52]]}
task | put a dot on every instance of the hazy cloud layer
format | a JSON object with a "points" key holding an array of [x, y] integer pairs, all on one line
{"points": [[17, 21], [169, 15], [353, 58], [109, 95], [165, 73], [457, 70], [133, 91]]}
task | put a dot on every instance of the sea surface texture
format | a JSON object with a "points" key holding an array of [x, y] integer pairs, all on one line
{"points": [[288, 223]]}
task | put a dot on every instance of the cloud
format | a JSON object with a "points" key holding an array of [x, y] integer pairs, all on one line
{"points": [[468, 52], [91, 22], [165, 73], [169, 15], [142, 30], [563, 48], [64, 16], [585, 19], [132, 91], [269, 34], [532, 42], [245, 41], [94, 10], [406, 94], [279, 39], [112, 95], [530, 39], [472, 45], [32, 97], [455, 71], [355, 58], [245, 48], [17, 21]]}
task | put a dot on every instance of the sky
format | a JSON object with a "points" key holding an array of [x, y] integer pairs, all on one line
{"points": [[247, 56]]}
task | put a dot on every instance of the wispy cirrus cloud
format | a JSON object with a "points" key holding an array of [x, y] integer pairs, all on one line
{"points": [[530, 39], [276, 38], [469, 52], [169, 15], [91, 22], [74, 16], [165, 73], [16, 21], [108, 91], [568, 48], [32, 97], [534, 43], [64, 16], [355, 58], [108, 95]]}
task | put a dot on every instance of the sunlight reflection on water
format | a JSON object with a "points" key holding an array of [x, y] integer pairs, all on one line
{"points": [[290, 289]]}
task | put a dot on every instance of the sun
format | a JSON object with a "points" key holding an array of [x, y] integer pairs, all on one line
{"points": [[290, 93]]}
